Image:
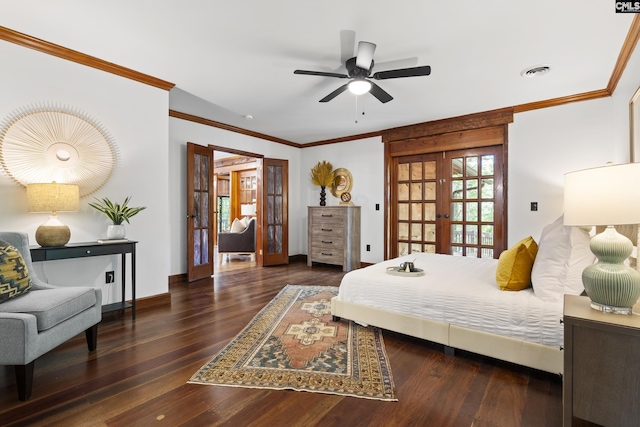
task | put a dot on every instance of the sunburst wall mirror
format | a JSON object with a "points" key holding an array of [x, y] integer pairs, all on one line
{"points": [[46, 143]]}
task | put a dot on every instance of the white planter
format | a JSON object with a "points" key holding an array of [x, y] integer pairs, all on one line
{"points": [[116, 232]]}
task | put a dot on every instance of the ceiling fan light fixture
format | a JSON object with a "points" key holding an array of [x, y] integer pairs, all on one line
{"points": [[359, 87]]}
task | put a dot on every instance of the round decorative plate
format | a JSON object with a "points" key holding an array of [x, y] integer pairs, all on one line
{"points": [[342, 183], [43, 144]]}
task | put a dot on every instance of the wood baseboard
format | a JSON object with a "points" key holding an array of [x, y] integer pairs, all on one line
{"points": [[153, 301], [177, 278], [297, 258]]}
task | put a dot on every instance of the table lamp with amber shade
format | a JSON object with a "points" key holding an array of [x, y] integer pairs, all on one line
{"points": [[53, 198]]}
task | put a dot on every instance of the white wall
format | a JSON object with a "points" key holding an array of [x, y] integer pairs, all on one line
{"points": [[545, 144], [136, 116], [181, 132], [365, 160]]}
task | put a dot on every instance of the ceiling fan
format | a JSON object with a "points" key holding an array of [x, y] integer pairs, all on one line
{"points": [[359, 71]]}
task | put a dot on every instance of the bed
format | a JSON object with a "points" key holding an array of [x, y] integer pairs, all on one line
{"points": [[458, 303]]}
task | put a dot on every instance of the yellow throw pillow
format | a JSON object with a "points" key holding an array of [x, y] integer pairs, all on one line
{"points": [[14, 277], [515, 264]]}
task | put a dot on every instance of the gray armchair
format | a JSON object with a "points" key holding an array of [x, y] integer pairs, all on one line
{"points": [[43, 318], [243, 242]]}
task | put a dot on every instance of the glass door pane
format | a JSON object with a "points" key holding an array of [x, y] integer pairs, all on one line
{"points": [[416, 202], [473, 200], [223, 214]]}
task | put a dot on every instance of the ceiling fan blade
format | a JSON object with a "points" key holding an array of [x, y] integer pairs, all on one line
{"points": [[335, 93], [365, 55], [380, 93], [321, 73], [347, 45], [403, 72]]}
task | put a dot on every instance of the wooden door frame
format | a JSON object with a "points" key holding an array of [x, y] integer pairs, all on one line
{"points": [[199, 272], [259, 158], [456, 133]]}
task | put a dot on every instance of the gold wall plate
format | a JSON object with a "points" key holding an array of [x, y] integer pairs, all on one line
{"points": [[342, 183]]}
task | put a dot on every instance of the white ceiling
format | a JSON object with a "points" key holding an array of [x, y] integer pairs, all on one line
{"points": [[240, 55]]}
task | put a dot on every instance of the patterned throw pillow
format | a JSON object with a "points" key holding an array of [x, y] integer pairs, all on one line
{"points": [[14, 277]]}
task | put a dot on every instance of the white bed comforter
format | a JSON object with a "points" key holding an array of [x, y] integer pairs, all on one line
{"points": [[460, 291]]}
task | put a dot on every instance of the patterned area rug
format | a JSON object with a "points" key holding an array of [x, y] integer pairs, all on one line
{"points": [[293, 344]]}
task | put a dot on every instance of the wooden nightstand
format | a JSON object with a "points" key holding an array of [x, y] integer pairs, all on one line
{"points": [[601, 365]]}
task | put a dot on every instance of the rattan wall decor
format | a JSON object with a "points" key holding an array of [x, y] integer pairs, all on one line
{"points": [[45, 143]]}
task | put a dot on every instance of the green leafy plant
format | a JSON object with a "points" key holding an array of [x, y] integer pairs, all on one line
{"points": [[117, 213], [322, 174]]}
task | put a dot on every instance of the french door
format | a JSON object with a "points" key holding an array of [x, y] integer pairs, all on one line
{"points": [[275, 218], [200, 212], [449, 202]]}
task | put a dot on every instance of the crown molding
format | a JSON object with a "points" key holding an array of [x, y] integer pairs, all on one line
{"points": [[27, 41], [586, 96], [344, 139], [219, 125], [628, 47]]}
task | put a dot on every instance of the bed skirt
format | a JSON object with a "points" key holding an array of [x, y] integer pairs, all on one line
{"points": [[525, 353]]}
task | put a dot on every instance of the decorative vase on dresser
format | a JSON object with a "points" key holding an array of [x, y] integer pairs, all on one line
{"points": [[334, 236]]}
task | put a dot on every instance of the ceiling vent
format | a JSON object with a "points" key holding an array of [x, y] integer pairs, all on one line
{"points": [[535, 71]]}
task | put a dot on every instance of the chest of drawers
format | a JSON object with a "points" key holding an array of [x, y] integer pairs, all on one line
{"points": [[334, 236]]}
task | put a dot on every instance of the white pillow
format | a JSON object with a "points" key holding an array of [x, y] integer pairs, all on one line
{"points": [[237, 226], [563, 254], [245, 221]]}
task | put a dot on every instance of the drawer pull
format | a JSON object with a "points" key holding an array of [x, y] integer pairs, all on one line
{"points": [[327, 229], [327, 216], [326, 241], [326, 254], [88, 252]]}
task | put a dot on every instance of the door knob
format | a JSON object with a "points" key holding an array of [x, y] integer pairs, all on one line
{"points": [[438, 215], [446, 215]]}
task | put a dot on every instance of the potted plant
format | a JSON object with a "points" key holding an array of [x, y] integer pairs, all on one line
{"points": [[322, 175], [117, 214]]}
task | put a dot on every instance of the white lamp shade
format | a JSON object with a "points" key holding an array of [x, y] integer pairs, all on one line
{"points": [[247, 210], [358, 87], [52, 197], [608, 195]]}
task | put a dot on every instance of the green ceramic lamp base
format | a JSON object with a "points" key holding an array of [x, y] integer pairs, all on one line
{"points": [[612, 286]]}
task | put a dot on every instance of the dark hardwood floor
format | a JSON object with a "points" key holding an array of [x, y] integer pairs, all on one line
{"points": [[138, 375]]}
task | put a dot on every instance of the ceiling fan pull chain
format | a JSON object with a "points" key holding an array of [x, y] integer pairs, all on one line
{"points": [[357, 108]]}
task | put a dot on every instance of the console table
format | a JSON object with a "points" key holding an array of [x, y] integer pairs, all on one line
{"points": [[89, 249]]}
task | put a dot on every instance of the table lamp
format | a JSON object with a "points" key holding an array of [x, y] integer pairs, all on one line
{"points": [[247, 210], [607, 195], [52, 198]]}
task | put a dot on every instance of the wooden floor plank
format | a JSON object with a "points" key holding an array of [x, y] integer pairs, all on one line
{"points": [[138, 375]]}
